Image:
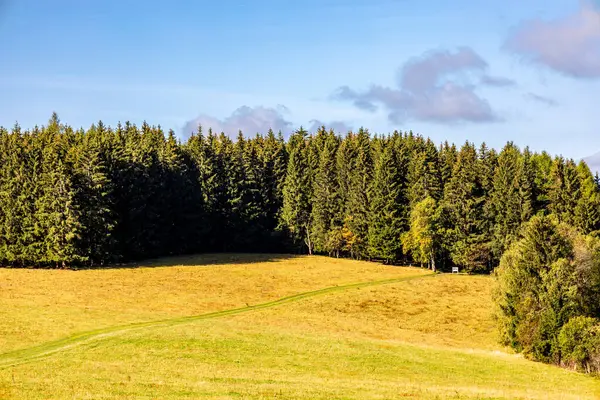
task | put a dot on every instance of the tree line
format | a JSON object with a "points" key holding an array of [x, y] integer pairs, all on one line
{"points": [[548, 294], [92, 197]]}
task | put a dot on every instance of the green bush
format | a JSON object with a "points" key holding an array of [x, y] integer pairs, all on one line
{"points": [[579, 342], [548, 295]]}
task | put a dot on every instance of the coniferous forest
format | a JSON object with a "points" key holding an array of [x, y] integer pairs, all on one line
{"points": [[85, 198]]}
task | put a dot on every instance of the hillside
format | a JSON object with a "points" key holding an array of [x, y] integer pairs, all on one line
{"points": [[261, 327]]}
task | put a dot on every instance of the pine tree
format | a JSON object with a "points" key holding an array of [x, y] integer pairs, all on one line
{"points": [[57, 214], [92, 194], [587, 210], [464, 202], [104, 195], [424, 176], [17, 193], [527, 188], [565, 190], [254, 214], [447, 158], [345, 159], [326, 210], [511, 197], [358, 194], [274, 166], [385, 226], [542, 164], [296, 211]]}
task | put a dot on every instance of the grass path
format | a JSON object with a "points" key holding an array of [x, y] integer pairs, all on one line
{"points": [[34, 353]]}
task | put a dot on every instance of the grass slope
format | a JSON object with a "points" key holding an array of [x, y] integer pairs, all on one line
{"points": [[399, 333], [43, 305], [22, 356]]}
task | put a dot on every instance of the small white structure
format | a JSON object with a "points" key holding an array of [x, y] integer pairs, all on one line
{"points": [[455, 270]]}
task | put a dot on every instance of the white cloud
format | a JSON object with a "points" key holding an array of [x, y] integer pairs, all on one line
{"points": [[250, 120], [433, 88], [570, 45]]}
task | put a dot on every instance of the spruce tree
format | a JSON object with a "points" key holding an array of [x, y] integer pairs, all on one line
{"points": [[274, 166], [326, 211], [93, 196], [424, 176], [385, 214], [254, 216], [542, 164], [464, 203], [57, 213], [511, 197], [565, 190], [587, 210], [296, 211], [345, 159], [358, 211], [447, 158]]}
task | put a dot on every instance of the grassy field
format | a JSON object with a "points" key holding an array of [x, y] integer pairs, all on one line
{"points": [[261, 327]]}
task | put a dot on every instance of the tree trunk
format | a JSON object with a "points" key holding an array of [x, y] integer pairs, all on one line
{"points": [[308, 242]]}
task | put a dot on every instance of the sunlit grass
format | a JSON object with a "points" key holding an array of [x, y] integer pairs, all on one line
{"points": [[450, 310], [427, 338], [41, 305]]}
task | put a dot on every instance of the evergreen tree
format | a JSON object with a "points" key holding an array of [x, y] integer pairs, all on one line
{"points": [[510, 202], [296, 211], [57, 214], [546, 278], [447, 158], [274, 166], [542, 165], [326, 210], [565, 190], [345, 159], [103, 195], [464, 203], [358, 194], [385, 225], [424, 176], [92, 194], [587, 210]]}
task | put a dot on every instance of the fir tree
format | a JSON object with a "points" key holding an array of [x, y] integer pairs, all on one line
{"points": [[345, 159], [565, 190], [326, 210], [424, 176], [587, 210], [385, 214], [358, 194], [464, 202], [296, 211]]}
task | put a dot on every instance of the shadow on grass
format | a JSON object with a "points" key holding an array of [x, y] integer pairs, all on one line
{"points": [[201, 260]]}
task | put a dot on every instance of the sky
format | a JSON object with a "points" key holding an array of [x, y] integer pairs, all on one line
{"points": [[485, 71]]}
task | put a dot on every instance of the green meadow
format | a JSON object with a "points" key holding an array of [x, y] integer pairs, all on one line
{"points": [[261, 327]]}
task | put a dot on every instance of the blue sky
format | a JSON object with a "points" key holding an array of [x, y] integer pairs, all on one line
{"points": [[463, 70]]}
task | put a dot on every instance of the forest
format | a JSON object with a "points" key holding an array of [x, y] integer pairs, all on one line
{"points": [[74, 198], [103, 196]]}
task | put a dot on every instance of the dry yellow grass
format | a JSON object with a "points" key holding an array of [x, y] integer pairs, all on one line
{"points": [[450, 311], [428, 338], [42, 305]]}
